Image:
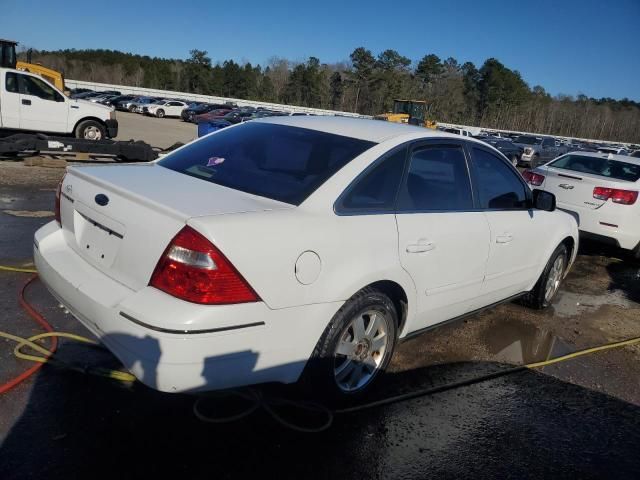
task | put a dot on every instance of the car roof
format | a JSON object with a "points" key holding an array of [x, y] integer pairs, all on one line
{"points": [[611, 156], [364, 129]]}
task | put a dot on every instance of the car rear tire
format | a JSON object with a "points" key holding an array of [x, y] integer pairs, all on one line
{"points": [[355, 347], [160, 113], [548, 284], [91, 130]]}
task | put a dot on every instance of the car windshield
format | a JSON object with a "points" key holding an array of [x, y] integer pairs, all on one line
{"points": [[528, 140], [280, 162], [604, 167]]}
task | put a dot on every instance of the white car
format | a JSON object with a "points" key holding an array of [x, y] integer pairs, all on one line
{"points": [[165, 108], [600, 190], [296, 244]]}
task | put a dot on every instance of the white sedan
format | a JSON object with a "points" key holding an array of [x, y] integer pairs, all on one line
{"points": [[296, 245], [164, 108], [600, 190]]}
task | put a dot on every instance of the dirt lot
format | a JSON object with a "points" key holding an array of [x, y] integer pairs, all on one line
{"points": [[577, 419], [158, 132]]}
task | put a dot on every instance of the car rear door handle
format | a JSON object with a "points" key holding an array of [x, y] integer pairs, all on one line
{"points": [[504, 238], [26, 102], [420, 247]]}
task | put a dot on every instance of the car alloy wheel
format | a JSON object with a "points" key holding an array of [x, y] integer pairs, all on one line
{"points": [[360, 351], [554, 278]]}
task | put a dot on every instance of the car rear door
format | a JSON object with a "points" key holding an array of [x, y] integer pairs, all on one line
{"points": [[443, 238], [516, 239]]}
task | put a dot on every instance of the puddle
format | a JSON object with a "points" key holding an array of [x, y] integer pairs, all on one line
{"points": [[569, 304], [512, 341]]}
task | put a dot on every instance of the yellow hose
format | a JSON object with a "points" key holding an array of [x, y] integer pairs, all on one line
{"points": [[17, 269], [30, 342], [586, 351]]}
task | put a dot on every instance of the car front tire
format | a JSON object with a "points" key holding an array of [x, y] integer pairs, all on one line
{"points": [[547, 286], [160, 113], [91, 130], [355, 347]]}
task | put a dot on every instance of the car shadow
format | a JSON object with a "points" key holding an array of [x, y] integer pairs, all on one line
{"points": [[524, 425], [593, 248]]}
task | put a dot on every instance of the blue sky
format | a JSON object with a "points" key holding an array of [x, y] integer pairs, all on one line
{"points": [[567, 46]]}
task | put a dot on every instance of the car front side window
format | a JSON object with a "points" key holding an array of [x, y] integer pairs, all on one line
{"points": [[437, 180], [37, 88], [497, 183]]}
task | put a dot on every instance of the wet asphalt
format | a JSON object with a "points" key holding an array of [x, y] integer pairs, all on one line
{"points": [[574, 420]]}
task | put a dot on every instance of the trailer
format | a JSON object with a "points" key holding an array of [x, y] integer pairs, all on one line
{"points": [[120, 151]]}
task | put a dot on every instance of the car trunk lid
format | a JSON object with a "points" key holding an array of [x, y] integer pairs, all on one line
{"points": [[120, 219], [575, 188]]}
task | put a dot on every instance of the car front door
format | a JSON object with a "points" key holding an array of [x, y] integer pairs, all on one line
{"points": [[10, 102], [443, 238], [176, 108], [515, 253], [42, 108]]}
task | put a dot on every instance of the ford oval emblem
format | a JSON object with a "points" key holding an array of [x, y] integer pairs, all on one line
{"points": [[101, 199]]}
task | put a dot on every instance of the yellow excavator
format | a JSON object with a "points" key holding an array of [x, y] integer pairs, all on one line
{"points": [[9, 59], [413, 112]]}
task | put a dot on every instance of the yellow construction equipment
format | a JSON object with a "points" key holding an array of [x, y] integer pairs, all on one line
{"points": [[9, 59], [413, 112]]}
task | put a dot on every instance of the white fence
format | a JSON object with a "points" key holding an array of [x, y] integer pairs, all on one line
{"points": [[129, 90], [150, 92]]}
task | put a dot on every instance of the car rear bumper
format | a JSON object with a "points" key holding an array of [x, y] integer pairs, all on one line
{"points": [[176, 346], [112, 128], [623, 231]]}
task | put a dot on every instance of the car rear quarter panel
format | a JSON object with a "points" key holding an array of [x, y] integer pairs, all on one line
{"points": [[264, 246]]}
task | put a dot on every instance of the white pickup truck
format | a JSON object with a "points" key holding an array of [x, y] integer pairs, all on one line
{"points": [[29, 103]]}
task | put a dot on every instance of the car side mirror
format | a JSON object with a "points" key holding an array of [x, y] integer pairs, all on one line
{"points": [[543, 200]]}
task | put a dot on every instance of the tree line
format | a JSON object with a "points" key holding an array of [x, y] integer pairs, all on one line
{"points": [[490, 96]]}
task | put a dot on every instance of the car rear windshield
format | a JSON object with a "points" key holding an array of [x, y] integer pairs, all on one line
{"points": [[599, 166], [275, 161]]}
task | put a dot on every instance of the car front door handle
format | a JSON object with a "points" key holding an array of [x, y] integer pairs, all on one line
{"points": [[420, 247], [26, 102], [504, 238]]}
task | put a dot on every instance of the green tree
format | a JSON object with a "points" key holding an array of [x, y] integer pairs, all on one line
{"points": [[361, 75], [428, 68], [336, 91]]}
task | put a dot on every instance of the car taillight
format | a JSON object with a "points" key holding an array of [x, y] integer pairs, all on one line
{"points": [[533, 178], [56, 209], [624, 197], [193, 269]]}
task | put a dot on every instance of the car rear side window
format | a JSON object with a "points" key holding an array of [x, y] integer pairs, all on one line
{"points": [[437, 180], [280, 162], [377, 189], [498, 184], [604, 167], [11, 82]]}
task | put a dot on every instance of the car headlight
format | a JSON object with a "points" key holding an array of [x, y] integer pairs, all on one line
{"points": [[112, 114]]}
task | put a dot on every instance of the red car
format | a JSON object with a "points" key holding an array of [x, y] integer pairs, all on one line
{"points": [[212, 115]]}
